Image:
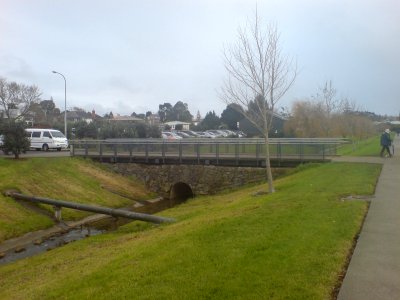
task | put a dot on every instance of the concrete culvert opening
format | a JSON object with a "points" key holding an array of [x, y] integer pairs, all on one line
{"points": [[180, 192]]}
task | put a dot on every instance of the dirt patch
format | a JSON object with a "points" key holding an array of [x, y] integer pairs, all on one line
{"points": [[358, 198]]}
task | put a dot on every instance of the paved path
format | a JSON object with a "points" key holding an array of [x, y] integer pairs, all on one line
{"points": [[374, 270]]}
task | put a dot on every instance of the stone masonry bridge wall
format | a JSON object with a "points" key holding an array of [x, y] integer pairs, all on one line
{"points": [[166, 180]]}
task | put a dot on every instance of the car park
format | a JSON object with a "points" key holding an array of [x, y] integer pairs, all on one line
{"points": [[191, 133], [214, 133], [169, 135], [182, 134]]}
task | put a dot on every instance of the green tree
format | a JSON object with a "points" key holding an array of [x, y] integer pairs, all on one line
{"points": [[84, 130], [165, 111], [210, 121], [231, 116], [15, 102], [128, 130], [15, 139], [48, 107], [140, 115], [180, 112]]}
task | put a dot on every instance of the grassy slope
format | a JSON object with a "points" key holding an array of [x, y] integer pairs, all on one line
{"points": [[59, 178], [289, 245]]}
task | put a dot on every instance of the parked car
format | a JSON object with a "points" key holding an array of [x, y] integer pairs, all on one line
{"points": [[205, 134], [191, 133], [2, 143], [241, 134], [182, 134], [45, 139], [170, 135], [216, 133]]}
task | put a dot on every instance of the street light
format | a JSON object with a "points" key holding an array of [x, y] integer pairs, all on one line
{"points": [[65, 104]]}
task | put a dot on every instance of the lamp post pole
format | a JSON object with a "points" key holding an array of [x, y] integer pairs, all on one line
{"points": [[65, 103]]}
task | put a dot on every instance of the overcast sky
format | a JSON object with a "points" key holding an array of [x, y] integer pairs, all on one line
{"points": [[130, 56]]}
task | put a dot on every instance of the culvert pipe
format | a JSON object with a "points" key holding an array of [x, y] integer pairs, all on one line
{"points": [[96, 209]]}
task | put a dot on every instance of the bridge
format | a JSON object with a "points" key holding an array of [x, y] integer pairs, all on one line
{"points": [[180, 169], [245, 152]]}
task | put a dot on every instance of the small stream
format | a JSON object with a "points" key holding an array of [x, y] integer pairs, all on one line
{"points": [[55, 241], [64, 237]]}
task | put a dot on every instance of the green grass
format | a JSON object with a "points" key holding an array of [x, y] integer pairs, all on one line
{"points": [[291, 244], [367, 147], [59, 178]]}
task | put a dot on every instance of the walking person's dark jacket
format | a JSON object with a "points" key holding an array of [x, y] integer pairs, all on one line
{"points": [[386, 141]]}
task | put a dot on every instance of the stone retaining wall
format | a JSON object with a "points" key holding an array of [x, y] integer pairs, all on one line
{"points": [[202, 179]]}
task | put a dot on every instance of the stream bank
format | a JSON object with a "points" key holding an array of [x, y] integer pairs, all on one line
{"points": [[63, 233]]}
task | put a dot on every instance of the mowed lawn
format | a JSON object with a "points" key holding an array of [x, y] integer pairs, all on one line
{"points": [[291, 244]]}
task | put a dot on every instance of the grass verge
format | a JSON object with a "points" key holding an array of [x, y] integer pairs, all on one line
{"points": [[291, 244]]}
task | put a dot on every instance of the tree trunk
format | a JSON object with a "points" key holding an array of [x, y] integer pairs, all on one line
{"points": [[271, 188]]}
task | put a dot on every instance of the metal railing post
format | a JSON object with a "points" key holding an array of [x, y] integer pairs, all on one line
{"points": [[237, 154], [180, 151], [163, 151], [101, 151], [198, 153], [301, 152], [257, 153], [147, 151], [217, 153]]}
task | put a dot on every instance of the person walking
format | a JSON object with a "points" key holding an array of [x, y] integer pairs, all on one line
{"points": [[386, 141]]}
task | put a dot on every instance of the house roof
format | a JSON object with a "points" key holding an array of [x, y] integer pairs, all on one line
{"points": [[126, 118], [176, 123]]}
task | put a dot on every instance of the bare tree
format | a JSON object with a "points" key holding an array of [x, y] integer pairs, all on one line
{"points": [[258, 76], [327, 100], [306, 120], [16, 99], [312, 118]]}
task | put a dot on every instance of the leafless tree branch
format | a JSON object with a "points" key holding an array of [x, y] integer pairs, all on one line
{"points": [[15, 96], [257, 69]]}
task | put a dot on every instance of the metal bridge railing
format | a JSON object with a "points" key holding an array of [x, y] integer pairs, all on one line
{"points": [[200, 149]]}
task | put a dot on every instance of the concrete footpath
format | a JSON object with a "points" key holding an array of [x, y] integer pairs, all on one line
{"points": [[374, 270]]}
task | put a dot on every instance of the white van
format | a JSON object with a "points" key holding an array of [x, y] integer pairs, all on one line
{"points": [[45, 139]]}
